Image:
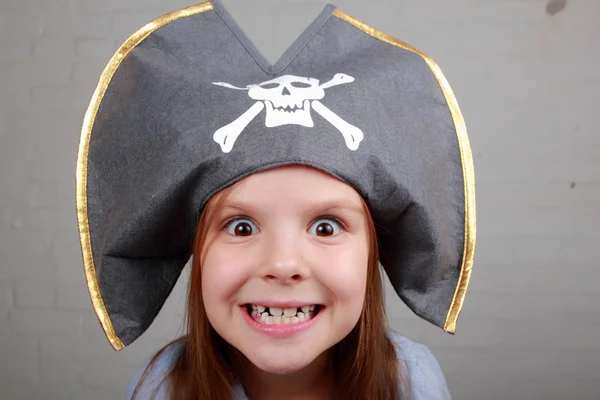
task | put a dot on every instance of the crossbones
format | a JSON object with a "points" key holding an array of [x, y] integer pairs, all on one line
{"points": [[288, 100]]}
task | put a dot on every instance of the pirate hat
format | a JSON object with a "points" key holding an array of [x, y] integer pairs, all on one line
{"points": [[187, 106]]}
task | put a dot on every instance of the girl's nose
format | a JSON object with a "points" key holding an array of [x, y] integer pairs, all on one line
{"points": [[284, 261]]}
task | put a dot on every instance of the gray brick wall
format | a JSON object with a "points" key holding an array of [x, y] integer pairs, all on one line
{"points": [[525, 73]]}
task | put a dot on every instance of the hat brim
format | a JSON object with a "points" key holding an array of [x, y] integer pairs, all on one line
{"points": [[457, 279]]}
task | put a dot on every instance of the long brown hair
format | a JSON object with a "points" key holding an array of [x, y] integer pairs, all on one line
{"points": [[364, 363]]}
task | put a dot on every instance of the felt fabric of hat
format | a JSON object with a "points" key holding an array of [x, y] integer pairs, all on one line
{"points": [[187, 106]]}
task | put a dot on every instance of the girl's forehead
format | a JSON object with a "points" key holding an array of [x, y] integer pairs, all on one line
{"points": [[294, 186], [294, 181]]}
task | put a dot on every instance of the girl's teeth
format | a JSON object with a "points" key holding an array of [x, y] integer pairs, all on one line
{"points": [[290, 312], [276, 312], [275, 315]]}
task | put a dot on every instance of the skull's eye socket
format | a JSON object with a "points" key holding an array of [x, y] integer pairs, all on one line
{"points": [[302, 85], [270, 85]]}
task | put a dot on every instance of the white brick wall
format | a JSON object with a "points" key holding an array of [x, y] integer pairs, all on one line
{"points": [[528, 86]]}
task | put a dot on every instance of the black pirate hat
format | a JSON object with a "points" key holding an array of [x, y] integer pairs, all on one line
{"points": [[188, 106]]}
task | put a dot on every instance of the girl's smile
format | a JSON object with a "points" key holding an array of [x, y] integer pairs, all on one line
{"points": [[265, 313], [281, 323]]}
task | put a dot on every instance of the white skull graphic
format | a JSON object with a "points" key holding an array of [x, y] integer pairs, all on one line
{"points": [[288, 100]]}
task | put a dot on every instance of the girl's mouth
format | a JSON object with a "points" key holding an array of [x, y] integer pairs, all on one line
{"points": [[282, 316]]}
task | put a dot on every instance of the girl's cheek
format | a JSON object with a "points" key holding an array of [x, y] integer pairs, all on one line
{"points": [[224, 272], [344, 273]]}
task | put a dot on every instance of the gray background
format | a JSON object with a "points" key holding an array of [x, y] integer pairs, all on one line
{"points": [[526, 76]]}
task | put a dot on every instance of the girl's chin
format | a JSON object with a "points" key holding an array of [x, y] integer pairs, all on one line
{"points": [[283, 364], [281, 369]]}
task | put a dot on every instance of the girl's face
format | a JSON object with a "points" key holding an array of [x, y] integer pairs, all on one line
{"points": [[285, 266]]}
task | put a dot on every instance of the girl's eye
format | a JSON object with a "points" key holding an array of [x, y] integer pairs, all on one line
{"points": [[325, 227], [241, 227]]}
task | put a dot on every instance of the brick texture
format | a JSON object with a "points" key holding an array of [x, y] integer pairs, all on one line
{"points": [[527, 83], [34, 295]]}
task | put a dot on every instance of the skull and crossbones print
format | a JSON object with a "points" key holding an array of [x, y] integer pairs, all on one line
{"points": [[288, 100]]}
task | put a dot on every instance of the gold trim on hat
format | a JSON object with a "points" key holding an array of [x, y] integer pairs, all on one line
{"points": [[82, 160], [467, 166]]}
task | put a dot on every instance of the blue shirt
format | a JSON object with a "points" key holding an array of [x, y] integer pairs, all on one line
{"points": [[422, 369]]}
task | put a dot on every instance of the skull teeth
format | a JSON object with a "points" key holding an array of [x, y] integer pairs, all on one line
{"points": [[288, 108], [278, 115]]}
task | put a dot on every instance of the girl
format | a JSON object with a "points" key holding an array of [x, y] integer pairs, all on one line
{"points": [[267, 245], [288, 218]]}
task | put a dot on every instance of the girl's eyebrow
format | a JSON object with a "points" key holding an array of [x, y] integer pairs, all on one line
{"points": [[317, 207], [332, 205]]}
